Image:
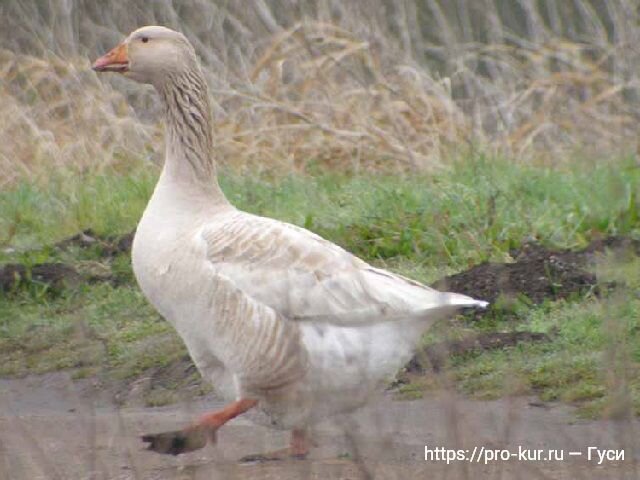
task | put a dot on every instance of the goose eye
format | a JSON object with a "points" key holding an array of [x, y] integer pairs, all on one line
{"points": [[144, 39]]}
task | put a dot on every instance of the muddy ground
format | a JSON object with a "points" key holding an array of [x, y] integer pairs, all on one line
{"points": [[538, 273], [53, 428]]}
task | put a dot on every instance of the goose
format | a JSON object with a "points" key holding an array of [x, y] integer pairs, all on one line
{"points": [[277, 318]]}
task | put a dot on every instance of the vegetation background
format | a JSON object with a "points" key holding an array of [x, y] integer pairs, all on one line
{"points": [[369, 84], [426, 136]]}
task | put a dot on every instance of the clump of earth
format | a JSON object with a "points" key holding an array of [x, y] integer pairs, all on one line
{"points": [[537, 273]]}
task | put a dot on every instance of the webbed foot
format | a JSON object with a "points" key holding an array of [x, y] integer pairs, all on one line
{"points": [[178, 441]]}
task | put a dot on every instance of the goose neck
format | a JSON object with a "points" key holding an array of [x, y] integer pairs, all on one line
{"points": [[189, 139]]}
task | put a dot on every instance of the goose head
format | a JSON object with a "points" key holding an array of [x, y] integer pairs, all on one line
{"points": [[149, 55]]}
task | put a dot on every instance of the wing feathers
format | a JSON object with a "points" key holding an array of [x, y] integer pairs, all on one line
{"points": [[306, 278]]}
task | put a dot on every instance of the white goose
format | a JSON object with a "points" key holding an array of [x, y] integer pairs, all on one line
{"points": [[273, 315]]}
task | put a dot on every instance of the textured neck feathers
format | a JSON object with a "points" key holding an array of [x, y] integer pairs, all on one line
{"points": [[189, 156]]}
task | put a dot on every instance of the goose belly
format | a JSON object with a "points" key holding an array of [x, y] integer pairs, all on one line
{"points": [[345, 357], [347, 364]]}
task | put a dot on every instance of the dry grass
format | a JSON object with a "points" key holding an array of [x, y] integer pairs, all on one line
{"points": [[57, 113], [360, 86]]}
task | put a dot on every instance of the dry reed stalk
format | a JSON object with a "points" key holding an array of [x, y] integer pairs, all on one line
{"points": [[370, 85]]}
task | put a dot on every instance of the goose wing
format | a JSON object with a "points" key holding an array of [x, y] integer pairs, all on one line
{"points": [[307, 278]]}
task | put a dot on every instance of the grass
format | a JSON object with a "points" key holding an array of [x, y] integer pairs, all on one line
{"points": [[424, 226], [478, 209], [585, 363], [82, 328], [337, 86]]}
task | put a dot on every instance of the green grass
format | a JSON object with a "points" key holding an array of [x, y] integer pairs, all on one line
{"points": [[593, 352], [478, 210], [96, 326], [423, 226]]}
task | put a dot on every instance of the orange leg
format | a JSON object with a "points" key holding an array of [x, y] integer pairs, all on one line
{"points": [[299, 443], [195, 436]]}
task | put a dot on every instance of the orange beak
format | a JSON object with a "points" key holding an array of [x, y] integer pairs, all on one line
{"points": [[117, 60]]}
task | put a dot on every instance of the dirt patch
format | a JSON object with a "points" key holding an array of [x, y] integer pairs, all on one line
{"points": [[85, 239], [537, 273], [53, 275], [57, 275], [165, 385], [109, 246]]}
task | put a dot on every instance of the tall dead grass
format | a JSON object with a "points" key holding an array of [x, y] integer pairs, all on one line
{"points": [[367, 85]]}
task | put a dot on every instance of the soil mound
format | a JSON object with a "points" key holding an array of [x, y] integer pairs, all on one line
{"points": [[537, 273]]}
